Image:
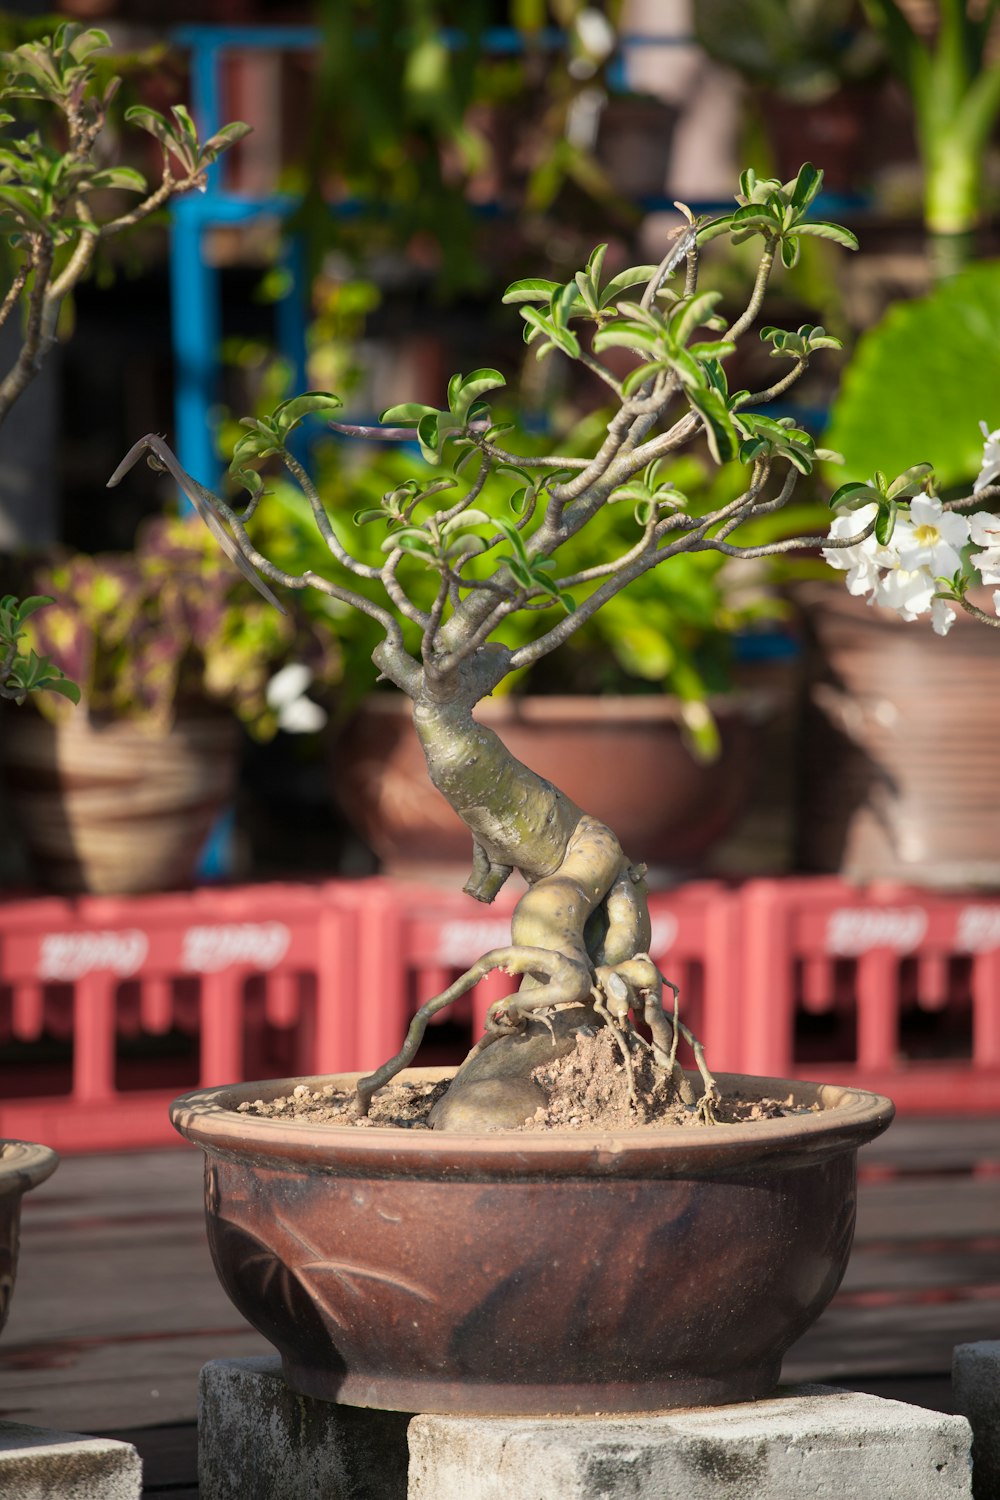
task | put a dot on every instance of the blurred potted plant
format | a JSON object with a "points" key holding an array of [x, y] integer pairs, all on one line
{"points": [[890, 790], [170, 649], [809, 65]]}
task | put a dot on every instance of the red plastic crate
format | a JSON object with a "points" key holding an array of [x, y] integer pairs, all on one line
{"points": [[243, 973], [888, 958]]}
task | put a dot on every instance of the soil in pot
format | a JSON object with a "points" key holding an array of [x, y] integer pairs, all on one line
{"points": [[586, 1089]]}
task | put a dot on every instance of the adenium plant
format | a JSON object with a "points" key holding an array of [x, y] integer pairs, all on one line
{"points": [[580, 934]]}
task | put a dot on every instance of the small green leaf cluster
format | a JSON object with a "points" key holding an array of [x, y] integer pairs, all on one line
{"points": [[778, 212], [532, 572], [20, 674], [434, 427], [654, 494], [800, 344], [269, 434], [179, 136], [583, 297], [886, 494]]}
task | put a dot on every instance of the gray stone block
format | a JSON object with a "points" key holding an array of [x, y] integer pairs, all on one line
{"points": [[259, 1441], [975, 1379], [39, 1464], [808, 1441]]}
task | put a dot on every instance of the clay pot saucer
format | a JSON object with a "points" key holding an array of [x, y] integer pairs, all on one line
{"points": [[22, 1167]]}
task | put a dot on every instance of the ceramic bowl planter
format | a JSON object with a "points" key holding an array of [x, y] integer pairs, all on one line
{"points": [[113, 808], [623, 758], [558, 1272], [22, 1167]]}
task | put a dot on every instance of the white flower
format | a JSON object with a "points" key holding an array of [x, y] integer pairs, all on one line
{"points": [[908, 591], [942, 616], [990, 469], [863, 561], [984, 530], [285, 694], [932, 538]]}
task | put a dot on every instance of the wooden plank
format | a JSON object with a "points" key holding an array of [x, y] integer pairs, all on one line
{"points": [[945, 1208], [935, 1145], [849, 1341]]}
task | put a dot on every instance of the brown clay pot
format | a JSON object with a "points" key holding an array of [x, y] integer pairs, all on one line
{"points": [[622, 759], [112, 808], [22, 1167], [899, 746], [562, 1272]]}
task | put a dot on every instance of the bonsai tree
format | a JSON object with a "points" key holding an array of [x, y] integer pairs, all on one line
{"points": [[580, 934]]}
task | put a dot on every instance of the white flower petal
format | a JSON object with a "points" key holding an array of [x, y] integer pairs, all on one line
{"points": [[942, 616], [287, 685], [984, 529], [301, 717]]}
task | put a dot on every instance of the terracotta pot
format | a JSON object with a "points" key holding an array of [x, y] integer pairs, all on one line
{"points": [[621, 759], [22, 1167], [562, 1272], [899, 746], [112, 808]]}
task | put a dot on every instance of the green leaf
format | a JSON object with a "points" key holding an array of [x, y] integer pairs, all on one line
{"points": [[851, 491], [429, 436], [406, 415], [790, 253], [823, 231], [221, 141], [471, 389], [533, 289], [911, 482], [627, 335], [119, 177], [30, 606], [719, 430], [635, 276], [885, 522], [807, 184], [61, 685], [638, 377], [290, 413]]}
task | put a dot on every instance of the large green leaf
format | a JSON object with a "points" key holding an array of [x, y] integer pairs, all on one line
{"points": [[921, 380]]}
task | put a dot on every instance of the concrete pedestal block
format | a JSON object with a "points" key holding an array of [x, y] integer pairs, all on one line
{"points": [[257, 1440], [807, 1441], [38, 1464], [975, 1379]]}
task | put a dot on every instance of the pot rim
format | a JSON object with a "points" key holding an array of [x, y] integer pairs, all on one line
{"points": [[847, 1118], [23, 1165]]}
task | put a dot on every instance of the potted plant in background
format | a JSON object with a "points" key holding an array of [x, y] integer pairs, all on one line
{"points": [[751, 1249], [890, 791], [172, 651]]}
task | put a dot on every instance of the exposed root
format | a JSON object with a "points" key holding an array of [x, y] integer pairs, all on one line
{"points": [[561, 981]]}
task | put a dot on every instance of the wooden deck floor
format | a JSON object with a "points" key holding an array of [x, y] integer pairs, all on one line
{"points": [[117, 1304]]}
